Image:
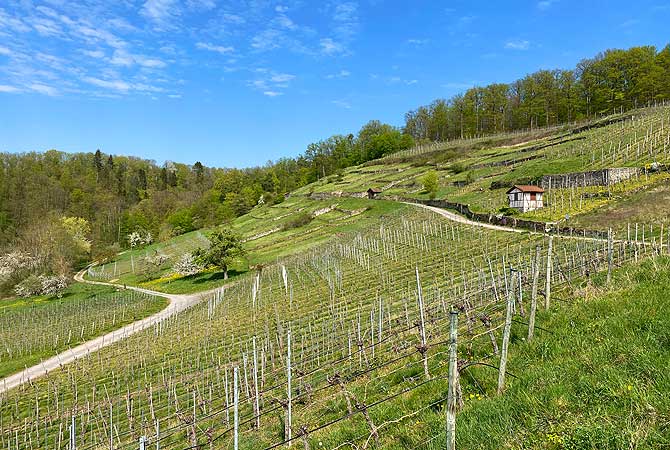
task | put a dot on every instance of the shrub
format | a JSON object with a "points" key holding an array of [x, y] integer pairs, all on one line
{"points": [[300, 220], [430, 183], [29, 287], [53, 285], [458, 167]]}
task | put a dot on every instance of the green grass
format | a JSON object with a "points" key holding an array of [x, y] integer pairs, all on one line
{"points": [[37, 328], [599, 379], [349, 214]]}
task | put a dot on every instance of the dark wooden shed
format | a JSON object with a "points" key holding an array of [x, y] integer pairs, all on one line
{"points": [[372, 192]]}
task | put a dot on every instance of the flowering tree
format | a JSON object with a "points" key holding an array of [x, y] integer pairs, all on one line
{"points": [[187, 265], [137, 238], [53, 285]]}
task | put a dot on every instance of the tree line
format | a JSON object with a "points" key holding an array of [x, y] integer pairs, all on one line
{"points": [[611, 81]]}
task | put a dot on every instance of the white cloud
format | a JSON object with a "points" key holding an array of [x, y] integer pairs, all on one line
{"points": [[117, 85], [99, 54], [342, 104], [411, 82], [517, 44], [330, 47], [341, 74], [123, 58], [545, 4], [417, 42], [43, 89], [233, 19], [272, 93], [214, 48], [9, 89], [12, 23], [161, 12], [282, 78], [6, 52]]}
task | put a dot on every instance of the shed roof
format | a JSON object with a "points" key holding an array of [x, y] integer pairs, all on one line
{"points": [[526, 188], [375, 190]]}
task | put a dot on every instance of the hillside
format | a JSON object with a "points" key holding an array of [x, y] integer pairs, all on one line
{"points": [[360, 291]]}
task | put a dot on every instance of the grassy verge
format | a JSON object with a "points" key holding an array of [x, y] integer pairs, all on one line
{"points": [[598, 379]]}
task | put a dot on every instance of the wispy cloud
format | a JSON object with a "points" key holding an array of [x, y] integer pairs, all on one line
{"points": [[339, 75], [214, 48], [341, 103], [43, 89], [161, 12], [271, 83], [9, 89], [517, 44], [545, 4], [417, 42], [331, 47]]}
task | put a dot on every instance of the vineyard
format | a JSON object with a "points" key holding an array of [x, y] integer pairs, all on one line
{"points": [[479, 171], [269, 232], [41, 327], [347, 345]]}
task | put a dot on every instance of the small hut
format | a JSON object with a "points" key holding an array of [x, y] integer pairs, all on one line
{"points": [[525, 197], [373, 192]]}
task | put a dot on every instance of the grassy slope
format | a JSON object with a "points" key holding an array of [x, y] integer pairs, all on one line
{"points": [[12, 309], [351, 214], [599, 380]]}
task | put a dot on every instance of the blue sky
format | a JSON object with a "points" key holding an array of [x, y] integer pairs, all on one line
{"points": [[238, 83]]}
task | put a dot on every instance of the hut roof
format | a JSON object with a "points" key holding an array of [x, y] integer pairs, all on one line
{"points": [[526, 188]]}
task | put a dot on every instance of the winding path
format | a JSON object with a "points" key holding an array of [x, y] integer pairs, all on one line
{"points": [[178, 303]]}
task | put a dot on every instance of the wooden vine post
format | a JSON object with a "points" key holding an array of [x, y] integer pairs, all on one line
{"points": [[422, 326], [288, 388], [453, 380], [610, 251], [547, 287], [236, 414], [506, 334], [533, 294]]}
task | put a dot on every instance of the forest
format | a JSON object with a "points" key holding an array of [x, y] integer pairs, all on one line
{"points": [[65, 209]]}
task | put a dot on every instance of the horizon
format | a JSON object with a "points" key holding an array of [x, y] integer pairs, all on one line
{"points": [[240, 85]]}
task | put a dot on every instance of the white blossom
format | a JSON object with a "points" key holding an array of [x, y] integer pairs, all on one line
{"points": [[186, 265]]}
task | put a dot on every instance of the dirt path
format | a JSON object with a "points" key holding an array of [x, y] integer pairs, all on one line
{"points": [[460, 219], [178, 303]]}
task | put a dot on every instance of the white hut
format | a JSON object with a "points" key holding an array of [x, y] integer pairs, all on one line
{"points": [[525, 197]]}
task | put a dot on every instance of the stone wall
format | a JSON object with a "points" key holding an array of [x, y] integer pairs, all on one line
{"points": [[604, 177]]}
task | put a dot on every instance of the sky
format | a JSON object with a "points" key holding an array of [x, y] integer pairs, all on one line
{"points": [[238, 83]]}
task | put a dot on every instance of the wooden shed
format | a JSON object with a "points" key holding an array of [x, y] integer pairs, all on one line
{"points": [[525, 197], [372, 192]]}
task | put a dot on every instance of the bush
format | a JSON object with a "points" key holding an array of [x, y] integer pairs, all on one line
{"points": [[300, 220], [53, 285], [459, 167], [430, 183], [29, 287]]}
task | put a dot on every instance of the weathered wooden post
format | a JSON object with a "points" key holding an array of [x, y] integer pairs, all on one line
{"points": [[547, 287], [453, 380], [506, 333], [236, 415], [288, 390], [422, 327], [73, 435], [609, 255], [257, 409], [533, 294]]}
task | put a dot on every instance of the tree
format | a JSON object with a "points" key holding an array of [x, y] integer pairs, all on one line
{"points": [[224, 247], [186, 265], [430, 183]]}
